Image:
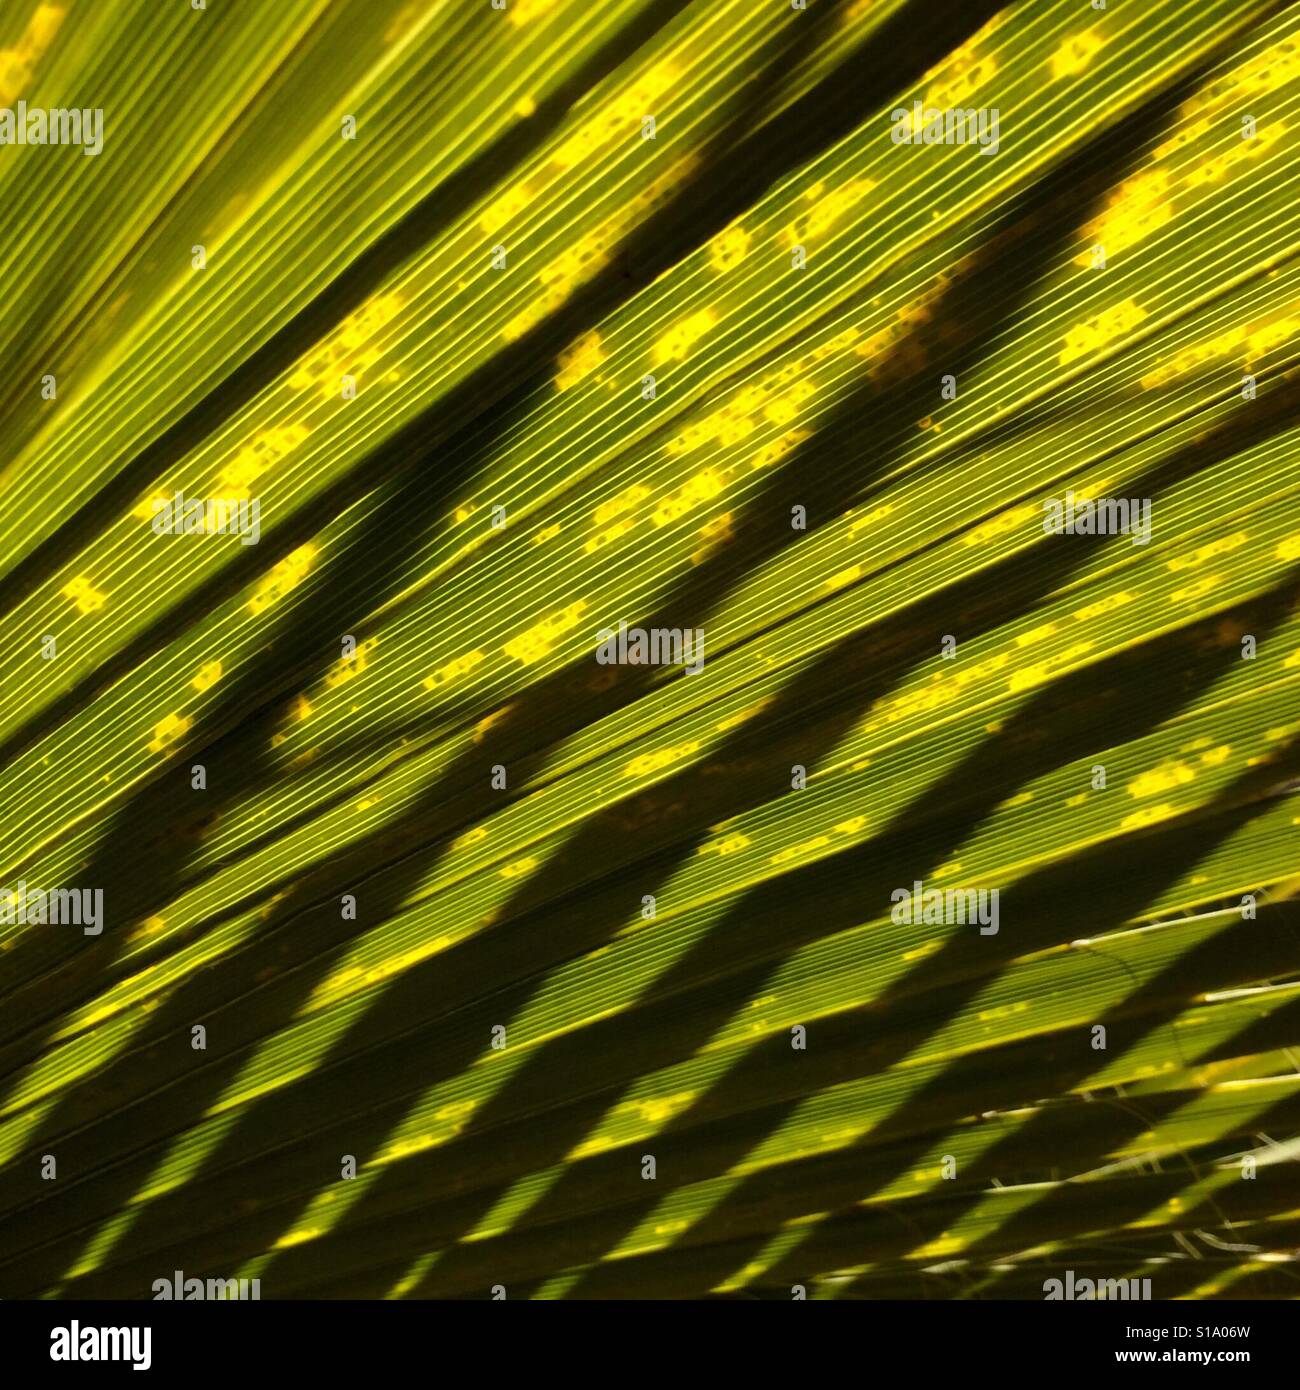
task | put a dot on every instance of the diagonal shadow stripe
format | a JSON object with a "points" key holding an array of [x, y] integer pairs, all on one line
{"points": [[1169, 992], [996, 769], [90, 967]]}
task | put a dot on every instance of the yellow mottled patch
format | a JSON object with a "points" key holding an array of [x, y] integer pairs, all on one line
{"points": [[872, 517], [146, 510], [1187, 133], [207, 676], [1163, 778], [939, 691], [619, 117], [263, 451], [1214, 169], [394, 965], [350, 349], [718, 529], [663, 757], [1095, 333], [622, 502], [609, 535], [539, 640], [778, 448], [727, 425], [502, 209], [926, 948], [1215, 757], [282, 579], [714, 533], [347, 668], [453, 670], [1264, 337], [1076, 53], [1266, 71], [1289, 549], [547, 533], [1004, 1011], [1140, 206], [470, 837], [798, 851], [851, 826], [167, 731], [728, 248], [733, 721], [519, 866], [730, 844], [578, 262], [830, 208], [579, 361], [1197, 590], [1000, 525], [701, 488], [1224, 344], [1248, 343], [1225, 546], [1040, 671], [489, 721], [1035, 635], [1103, 606], [844, 577], [964, 71], [84, 594], [787, 406], [675, 345]]}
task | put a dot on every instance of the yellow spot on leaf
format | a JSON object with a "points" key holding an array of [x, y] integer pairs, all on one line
{"points": [[579, 361], [1095, 333], [84, 594], [207, 676], [663, 757], [728, 248], [539, 640], [675, 345], [168, 731], [1163, 778], [283, 578], [453, 670], [1076, 53]]}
